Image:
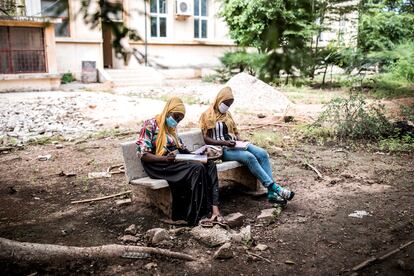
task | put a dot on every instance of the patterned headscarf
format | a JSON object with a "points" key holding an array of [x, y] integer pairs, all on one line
{"points": [[174, 105]]}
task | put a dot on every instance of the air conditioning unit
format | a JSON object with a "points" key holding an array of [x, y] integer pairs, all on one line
{"points": [[183, 8]]}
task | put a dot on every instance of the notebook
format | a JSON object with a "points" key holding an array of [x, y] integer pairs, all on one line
{"points": [[240, 145], [191, 157]]}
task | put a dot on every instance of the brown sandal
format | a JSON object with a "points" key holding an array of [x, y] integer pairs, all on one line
{"points": [[206, 223], [220, 220]]}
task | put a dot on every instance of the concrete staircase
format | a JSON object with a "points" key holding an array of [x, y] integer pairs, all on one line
{"points": [[140, 76]]}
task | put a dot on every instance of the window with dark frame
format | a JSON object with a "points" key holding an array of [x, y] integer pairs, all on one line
{"points": [[22, 50], [158, 18], [58, 9], [200, 18]]}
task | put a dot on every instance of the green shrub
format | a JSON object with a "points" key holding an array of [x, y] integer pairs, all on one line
{"points": [[67, 78], [407, 112], [396, 144], [240, 61], [352, 119]]}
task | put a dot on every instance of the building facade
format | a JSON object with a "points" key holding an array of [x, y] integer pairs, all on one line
{"points": [[176, 34]]}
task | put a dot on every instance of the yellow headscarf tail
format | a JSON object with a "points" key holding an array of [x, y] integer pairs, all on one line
{"points": [[173, 105]]}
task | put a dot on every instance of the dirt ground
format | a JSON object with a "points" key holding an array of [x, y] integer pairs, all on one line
{"points": [[313, 236]]}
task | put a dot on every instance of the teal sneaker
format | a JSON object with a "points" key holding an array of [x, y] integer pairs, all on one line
{"points": [[274, 198], [282, 192]]}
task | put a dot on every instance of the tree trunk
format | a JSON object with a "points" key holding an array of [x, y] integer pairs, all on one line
{"points": [[324, 74], [36, 252]]}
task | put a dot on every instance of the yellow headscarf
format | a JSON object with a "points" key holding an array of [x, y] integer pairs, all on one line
{"points": [[174, 105], [212, 115]]}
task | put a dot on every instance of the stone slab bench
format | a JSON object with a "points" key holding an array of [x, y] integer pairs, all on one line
{"points": [[157, 192]]}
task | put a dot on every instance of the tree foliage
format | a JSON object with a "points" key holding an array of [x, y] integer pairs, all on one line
{"points": [[281, 29]]}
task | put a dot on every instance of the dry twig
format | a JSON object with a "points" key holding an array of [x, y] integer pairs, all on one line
{"points": [[101, 198], [315, 170], [258, 256], [381, 258]]}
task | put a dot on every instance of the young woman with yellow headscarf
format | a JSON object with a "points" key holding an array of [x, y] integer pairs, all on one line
{"points": [[220, 129], [194, 186]]}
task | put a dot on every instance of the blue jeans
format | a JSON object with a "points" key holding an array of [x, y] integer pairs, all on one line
{"points": [[256, 159]]}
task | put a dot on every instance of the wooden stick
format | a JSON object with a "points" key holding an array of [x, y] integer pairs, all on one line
{"points": [[36, 252], [120, 169], [315, 170], [258, 256], [381, 258], [101, 198], [5, 148]]}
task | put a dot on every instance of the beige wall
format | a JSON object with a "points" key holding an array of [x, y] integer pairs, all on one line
{"points": [[34, 83], [84, 44], [179, 49]]}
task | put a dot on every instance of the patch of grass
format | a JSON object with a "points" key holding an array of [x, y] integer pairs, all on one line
{"points": [[45, 140], [113, 132], [9, 141], [387, 86], [309, 95], [315, 134], [403, 144], [267, 139], [211, 78]]}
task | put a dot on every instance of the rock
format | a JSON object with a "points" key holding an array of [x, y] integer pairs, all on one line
{"points": [[261, 247], [267, 98], [289, 262], [211, 236], [269, 215], [132, 229], [93, 175], [59, 146], [44, 157], [150, 266], [128, 239], [224, 252], [243, 236], [123, 202], [235, 219], [261, 116], [157, 235]]}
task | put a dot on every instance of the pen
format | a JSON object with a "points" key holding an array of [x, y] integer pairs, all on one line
{"points": [[167, 149]]}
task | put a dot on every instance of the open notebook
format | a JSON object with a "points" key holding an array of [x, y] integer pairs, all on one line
{"points": [[191, 157], [240, 145]]}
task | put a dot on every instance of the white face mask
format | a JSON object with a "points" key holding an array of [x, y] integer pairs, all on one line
{"points": [[223, 108]]}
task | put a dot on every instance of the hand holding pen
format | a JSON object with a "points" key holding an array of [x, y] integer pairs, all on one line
{"points": [[170, 157]]}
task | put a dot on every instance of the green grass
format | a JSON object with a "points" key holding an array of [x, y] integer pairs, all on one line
{"points": [[404, 144], [309, 95], [267, 139]]}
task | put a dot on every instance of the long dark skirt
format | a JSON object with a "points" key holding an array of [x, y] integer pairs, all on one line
{"points": [[194, 187]]}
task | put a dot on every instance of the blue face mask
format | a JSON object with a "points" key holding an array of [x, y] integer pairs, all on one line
{"points": [[171, 122]]}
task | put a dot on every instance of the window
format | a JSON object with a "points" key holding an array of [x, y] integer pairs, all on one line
{"points": [[200, 18], [22, 50], [158, 18], [59, 9]]}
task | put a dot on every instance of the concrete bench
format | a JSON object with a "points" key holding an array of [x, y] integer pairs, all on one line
{"points": [[157, 192]]}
